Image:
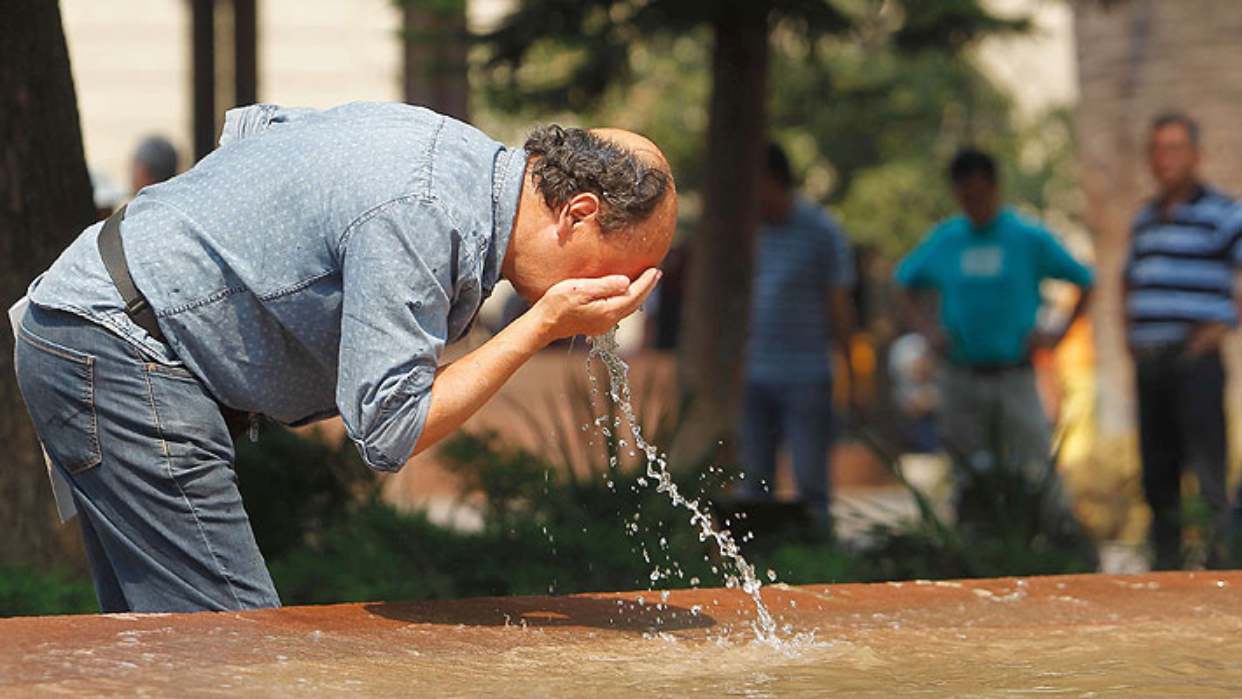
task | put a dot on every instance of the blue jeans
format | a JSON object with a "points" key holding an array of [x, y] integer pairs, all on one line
{"points": [[150, 462], [800, 415]]}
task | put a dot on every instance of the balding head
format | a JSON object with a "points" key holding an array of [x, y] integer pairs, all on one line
{"points": [[607, 195], [638, 145], [661, 221], [625, 170]]}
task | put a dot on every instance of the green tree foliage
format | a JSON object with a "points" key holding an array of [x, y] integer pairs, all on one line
{"points": [[591, 43], [870, 98]]}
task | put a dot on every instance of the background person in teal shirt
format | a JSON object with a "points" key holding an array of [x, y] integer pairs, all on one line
{"points": [[986, 265]]}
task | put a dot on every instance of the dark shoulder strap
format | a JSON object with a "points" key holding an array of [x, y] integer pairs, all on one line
{"points": [[113, 254]]}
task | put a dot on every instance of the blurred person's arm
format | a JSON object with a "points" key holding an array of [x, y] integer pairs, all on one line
{"points": [[1057, 263], [843, 324], [843, 276], [1208, 337], [1126, 289], [914, 277], [909, 309]]}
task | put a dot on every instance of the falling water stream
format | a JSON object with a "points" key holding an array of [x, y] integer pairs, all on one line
{"points": [[737, 571]]}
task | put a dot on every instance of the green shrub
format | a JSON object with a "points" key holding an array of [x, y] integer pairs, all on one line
{"points": [[542, 533], [1007, 524], [25, 591], [295, 487]]}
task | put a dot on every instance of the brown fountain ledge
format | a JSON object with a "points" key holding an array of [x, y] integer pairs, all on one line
{"points": [[514, 645]]}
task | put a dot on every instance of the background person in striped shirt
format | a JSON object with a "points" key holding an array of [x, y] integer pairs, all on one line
{"points": [[1181, 301], [800, 308]]}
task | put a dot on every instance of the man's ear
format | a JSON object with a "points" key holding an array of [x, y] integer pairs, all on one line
{"points": [[582, 207]]}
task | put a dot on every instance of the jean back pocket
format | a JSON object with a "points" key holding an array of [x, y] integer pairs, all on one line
{"points": [[58, 385]]}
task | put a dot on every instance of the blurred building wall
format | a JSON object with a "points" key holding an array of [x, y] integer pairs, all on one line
{"points": [[1036, 67], [131, 62], [131, 65]]}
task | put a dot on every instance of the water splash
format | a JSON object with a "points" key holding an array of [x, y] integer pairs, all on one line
{"points": [[737, 571]]}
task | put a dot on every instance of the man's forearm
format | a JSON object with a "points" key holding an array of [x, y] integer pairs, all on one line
{"points": [[462, 387], [908, 310], [570, 307]]}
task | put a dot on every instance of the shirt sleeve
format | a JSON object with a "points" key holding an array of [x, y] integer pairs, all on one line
{"points": [[1234, 227], [396, 286], [1057, 263], [242, 122], [915, 269], [840, 262]]}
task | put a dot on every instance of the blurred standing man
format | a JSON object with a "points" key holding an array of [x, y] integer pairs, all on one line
{"points": [[799, 305], [987, 265], [1181, 300]]}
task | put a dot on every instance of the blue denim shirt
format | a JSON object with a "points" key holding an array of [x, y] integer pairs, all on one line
{"points": [[317, 262]]}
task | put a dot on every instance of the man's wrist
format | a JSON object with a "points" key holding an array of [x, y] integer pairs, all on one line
{"points": [[536, 330]]}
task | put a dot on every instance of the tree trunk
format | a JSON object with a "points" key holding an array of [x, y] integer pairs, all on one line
{"points": [[435, 56], [245, 52], [1138, 58], [203, 75], [714, 323], [45, 200]]}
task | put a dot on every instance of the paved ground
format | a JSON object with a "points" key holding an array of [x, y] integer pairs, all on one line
{"points": [[1090, 636]]}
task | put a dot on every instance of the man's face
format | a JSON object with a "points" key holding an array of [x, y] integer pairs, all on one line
{"points": [[139, 176], [1174, 159], [979, 198], [566, 248], [773, 200]]}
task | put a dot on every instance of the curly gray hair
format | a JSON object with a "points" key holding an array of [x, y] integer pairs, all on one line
{"points": [[571, 161]]}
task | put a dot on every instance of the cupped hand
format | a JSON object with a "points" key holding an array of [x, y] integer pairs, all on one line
{"points": [[592, 306]]}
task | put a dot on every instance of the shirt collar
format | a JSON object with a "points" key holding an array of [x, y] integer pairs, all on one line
{"points": [[1201, 192], [1002, 215], [508, 171]]}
